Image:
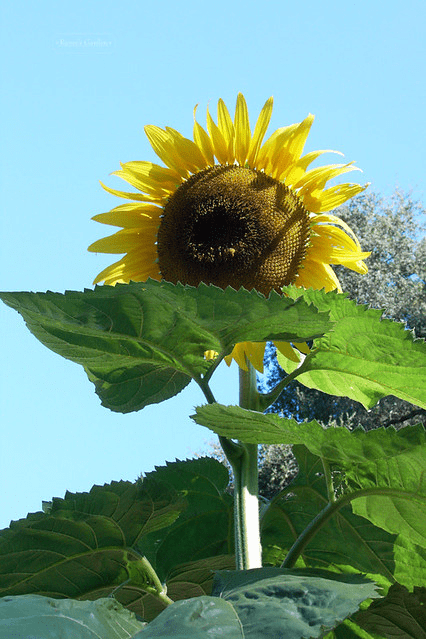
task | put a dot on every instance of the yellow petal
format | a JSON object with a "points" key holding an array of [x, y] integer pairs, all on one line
{"points": [[259, 132], [253, 351], [162, 143], [242, 130], [189, 153], [219, 144], [320, 220], [317, 178], [333, 241], [291, 151], [140, 197], [128, 216], [286, 349], [238, 354], [226, 127], [145, 183], [127, 239], [209, 355], [153, 175], [203, 142], [136, 266], [315, 274], [273, 147], [298, 170], [341, 253], [322, 201]]}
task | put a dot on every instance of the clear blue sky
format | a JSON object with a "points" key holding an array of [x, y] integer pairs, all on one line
{"points": [[72, 112]]}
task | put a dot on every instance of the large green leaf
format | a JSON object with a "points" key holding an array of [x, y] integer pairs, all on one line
{"points": [[400, 615], [205, 527], [196, 618], [199, 541], [274, 602], [363, 357], [402, 508], [35, 616], [192, 579], [338, 444], [195, 578], [141, 343], [264, 603], [89, 545], [390, 464], [345, 542], [410, 562], [84, 547]]}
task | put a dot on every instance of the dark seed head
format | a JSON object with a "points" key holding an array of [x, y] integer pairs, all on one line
{"points": [[233, 226]]}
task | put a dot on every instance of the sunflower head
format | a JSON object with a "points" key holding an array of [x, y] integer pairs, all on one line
{"points": [[233, 226], [231, 209]]}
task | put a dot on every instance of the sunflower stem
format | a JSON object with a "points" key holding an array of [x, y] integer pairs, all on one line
{"points": [[246, 501]]}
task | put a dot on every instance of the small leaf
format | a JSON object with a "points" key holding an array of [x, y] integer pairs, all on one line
{"points": [[363, 357], [400, 615], [36, 616], [141, 343]]}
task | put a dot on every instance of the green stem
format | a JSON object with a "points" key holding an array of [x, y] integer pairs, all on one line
{"points": [[328, 511], [328, 480], [246, 501], [230, 448], [142, 574], [158, 589], [267, 399], [243, 460], [246, 509]]}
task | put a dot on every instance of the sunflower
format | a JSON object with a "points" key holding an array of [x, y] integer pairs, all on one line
{"points": [[231, 210]]}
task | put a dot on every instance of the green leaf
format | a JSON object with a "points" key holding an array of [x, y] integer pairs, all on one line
{"points": [[363, 357], [196, 618], [199, 541], [45, 618], [390, 464], [195, 578], [141, 343], [410, 562], [402, 508], [338, 444], [90, 545], [345, 543], [85, 546], [400, 615], [205, 527], [274, 602], [263, 603]]}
